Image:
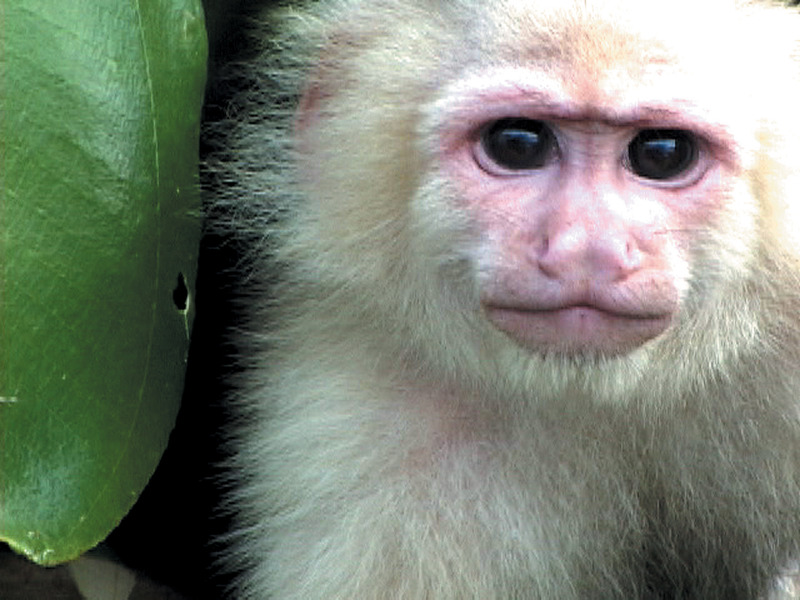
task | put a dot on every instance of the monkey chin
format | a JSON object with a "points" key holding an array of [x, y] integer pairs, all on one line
{"points": [[578, 330]]}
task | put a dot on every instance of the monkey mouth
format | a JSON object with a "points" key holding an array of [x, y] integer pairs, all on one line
{"points": [[577, 328]]}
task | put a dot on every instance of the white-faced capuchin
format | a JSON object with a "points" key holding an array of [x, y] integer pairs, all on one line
{"points": [[525, 301]]}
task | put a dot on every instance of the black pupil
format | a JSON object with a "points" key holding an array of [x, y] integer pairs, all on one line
{"points": [[662, 153], [518, 144]]}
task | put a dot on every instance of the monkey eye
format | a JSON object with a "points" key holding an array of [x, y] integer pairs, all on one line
{"points": [[519, 144], [661, 154]]}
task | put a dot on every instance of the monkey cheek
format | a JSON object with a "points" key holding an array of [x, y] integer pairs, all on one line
{"points": [[577, 329]]}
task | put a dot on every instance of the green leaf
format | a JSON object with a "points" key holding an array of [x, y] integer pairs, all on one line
{"points": [[99, 231]]}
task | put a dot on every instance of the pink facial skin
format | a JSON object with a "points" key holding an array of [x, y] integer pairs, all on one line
{"points": [[581, 254]]}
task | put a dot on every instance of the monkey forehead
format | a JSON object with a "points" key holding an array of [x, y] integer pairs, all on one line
{"points": [[600, 33], [602, 47], [621, 62]]}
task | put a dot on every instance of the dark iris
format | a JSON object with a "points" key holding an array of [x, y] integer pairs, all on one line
{"points": [[519, 144], [661, 154]]}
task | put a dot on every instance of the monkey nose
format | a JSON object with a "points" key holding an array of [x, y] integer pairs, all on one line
{"points": [[589, 254]]}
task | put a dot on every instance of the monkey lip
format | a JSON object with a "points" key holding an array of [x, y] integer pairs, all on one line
{"points": [[578, 327]]}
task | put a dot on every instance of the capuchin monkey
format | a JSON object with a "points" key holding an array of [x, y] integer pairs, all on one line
{"points": [[525, 296]]}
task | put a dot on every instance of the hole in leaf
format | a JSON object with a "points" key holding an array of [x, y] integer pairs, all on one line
{"points": [[180, 295]]}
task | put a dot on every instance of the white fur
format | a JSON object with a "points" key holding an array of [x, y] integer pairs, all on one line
{"points": [[394, 444]]}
